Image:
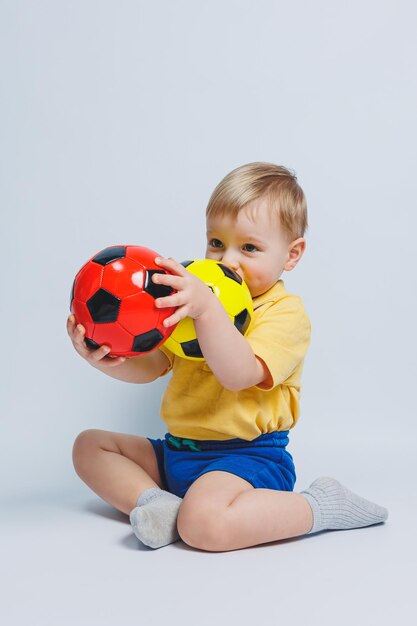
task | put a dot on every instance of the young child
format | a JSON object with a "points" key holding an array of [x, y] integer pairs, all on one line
{"points": [[222, 479]]}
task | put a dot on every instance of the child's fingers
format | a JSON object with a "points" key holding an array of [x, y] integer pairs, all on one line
{"points": [[73, 328], [102, 354], [176, 317], [113, 361], [77, 332], [171, 265], [168, 279], [169, 301], [99, 353], [70, 323], [78, 335], [171, 321]]}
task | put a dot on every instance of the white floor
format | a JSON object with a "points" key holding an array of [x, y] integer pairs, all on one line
{"points": [[73, 560]]}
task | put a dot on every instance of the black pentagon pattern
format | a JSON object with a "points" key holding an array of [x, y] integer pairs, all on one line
{"points": [[186, 263], [147, 341], [156, 291], [104, 307], [91, 343], [230, 273], [192, 348], [242, 321], [108, 255]]}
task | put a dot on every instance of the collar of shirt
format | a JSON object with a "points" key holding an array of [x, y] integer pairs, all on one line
{"points": [[276, 292]]}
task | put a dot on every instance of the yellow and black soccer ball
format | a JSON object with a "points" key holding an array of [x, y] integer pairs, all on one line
{"points": [[232, 292]]}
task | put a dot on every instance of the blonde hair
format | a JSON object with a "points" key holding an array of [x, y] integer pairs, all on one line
{"points": [[256, 180]]}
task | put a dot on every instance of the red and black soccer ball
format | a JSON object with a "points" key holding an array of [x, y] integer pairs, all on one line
{"points": [[113, 297]]}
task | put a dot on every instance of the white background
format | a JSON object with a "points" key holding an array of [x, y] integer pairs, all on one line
{"points": [[117, 121]]}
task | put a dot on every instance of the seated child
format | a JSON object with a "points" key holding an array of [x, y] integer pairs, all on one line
{"points": [[222, 478]]}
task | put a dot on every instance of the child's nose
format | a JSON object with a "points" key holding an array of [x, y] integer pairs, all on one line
{"points": [[230, 260]]}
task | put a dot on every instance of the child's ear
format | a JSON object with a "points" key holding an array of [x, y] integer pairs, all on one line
{"points": [[295, 251]]}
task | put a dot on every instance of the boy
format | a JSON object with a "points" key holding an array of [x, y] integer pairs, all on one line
{"points": [[222, 478]]}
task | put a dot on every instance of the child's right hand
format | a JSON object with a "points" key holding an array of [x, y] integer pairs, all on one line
{"points": [[97, 358]]}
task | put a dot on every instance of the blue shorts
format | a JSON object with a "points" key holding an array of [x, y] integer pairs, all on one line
{"points": [[263, 462]]}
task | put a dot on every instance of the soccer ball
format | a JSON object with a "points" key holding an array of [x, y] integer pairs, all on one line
{"points": [[113, 297], [232, 292]]}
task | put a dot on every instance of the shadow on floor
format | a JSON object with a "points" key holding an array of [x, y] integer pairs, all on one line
{"points": [[100, 508]]}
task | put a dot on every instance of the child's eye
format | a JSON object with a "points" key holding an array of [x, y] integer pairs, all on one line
{"points": [[215, 243], [249, 247]]}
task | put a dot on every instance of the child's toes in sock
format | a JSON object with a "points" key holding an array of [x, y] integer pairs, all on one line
{"points": [[154, 519], [335, 507]]}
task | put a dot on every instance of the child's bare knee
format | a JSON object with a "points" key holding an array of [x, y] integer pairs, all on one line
{"points": [[84, 444], [201, 527]]}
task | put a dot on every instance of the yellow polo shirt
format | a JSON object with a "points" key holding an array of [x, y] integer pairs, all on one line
{"points": [[196, 406]]}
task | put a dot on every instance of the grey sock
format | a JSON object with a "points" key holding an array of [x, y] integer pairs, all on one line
{"points": [[335, 507], [154, 519]]}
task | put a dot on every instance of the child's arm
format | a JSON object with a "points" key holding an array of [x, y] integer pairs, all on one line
{"points": [[141, 369], [228, 354]]}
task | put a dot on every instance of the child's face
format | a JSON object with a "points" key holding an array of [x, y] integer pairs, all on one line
{"points": [[253, 245]]}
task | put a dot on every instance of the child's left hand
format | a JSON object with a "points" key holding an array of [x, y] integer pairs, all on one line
{"points": [[193, 297]]}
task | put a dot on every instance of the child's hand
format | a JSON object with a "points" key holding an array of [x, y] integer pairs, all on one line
{"points": [[193, 297], [97, 358]]}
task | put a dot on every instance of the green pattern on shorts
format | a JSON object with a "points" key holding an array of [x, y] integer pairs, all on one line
{"points": [[177, 442]]}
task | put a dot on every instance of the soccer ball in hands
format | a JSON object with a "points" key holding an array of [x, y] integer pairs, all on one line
{"points": [[232, 292], [113, 297]]}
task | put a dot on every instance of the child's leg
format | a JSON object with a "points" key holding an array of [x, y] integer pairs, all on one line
{"points": [[116, 466], [221, 511]]}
